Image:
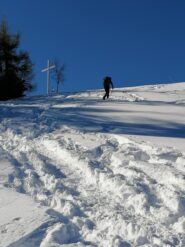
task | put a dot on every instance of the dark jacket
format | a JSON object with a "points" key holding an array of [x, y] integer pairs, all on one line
{"points": [[107, 82]]}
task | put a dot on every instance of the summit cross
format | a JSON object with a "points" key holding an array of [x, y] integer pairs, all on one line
{"points": [[47, 69]]}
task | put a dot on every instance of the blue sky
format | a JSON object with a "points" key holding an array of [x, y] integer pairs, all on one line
{"points": [[133, 41]]}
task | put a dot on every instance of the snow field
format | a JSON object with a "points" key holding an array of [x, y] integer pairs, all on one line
{"points": [[123, 188], [76, 187]]}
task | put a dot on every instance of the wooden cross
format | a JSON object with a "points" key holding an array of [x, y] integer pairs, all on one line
{"points": [[47, 69]]}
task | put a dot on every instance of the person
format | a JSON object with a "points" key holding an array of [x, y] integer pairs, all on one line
{"points": [[107, 83]]}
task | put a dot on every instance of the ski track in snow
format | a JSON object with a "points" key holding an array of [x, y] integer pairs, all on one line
{"points": [[115, 177], [99, 189]]}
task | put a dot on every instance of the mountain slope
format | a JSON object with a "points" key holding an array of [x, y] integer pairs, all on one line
{"points": [[76, 170]]}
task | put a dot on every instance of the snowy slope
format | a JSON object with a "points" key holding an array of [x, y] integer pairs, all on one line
{"points": [[80, 171]]}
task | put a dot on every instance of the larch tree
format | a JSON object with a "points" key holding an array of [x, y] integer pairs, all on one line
{"points": [[58, 73]]}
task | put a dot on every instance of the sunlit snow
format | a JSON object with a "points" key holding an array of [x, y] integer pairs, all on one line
{"points": [[79, 171]]}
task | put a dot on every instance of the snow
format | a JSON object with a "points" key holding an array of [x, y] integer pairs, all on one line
{"points": [[79, 171]]}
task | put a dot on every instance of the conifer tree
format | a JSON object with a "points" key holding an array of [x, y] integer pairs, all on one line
{"points": [[16, 68]]}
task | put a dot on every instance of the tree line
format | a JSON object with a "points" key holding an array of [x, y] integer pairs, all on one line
{"points": [[16, 67]]}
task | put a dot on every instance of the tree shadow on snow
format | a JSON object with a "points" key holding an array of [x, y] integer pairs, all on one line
{"points": [[88, 118], [93, 120]]}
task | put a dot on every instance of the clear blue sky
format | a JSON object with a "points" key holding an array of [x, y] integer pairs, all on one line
{"points": [[134, 41]]}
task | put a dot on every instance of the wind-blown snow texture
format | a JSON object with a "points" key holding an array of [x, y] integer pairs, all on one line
{"points": [[79, 171]]}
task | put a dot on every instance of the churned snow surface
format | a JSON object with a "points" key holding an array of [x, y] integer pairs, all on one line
{"points": [[79, 171]]}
